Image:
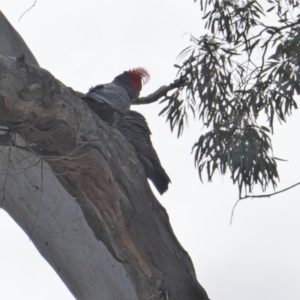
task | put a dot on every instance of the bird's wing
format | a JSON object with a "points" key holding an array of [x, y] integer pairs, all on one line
{"points": [[135, 129], [111, 94]]}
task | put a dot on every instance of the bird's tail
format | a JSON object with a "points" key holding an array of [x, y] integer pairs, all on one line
{"points": [[159, 178]]}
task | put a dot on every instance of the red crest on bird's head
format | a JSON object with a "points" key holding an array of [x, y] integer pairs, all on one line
{"points": [[138, 77]]}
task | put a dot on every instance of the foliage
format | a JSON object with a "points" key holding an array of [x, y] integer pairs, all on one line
{"points": [[240, 75]]}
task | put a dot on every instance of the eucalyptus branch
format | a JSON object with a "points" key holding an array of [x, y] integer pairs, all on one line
{"points": [[269, 195], [260, 196], [161, 92]]}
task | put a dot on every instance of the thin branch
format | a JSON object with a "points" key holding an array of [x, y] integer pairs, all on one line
{"points": [[31, 165], [5, 141], [41, 198], [6, 171], [270, 195], [232, 211], [259, 196], [23, 158], [161, 92], [27, 10]]}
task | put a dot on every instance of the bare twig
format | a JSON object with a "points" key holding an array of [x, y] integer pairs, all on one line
{"points": [[6, 171], [270, 195], [164, 295], [260, 196], [27, 10], [5, 139], [232, 211], [162, 91], [31, 165], [41, 198]]}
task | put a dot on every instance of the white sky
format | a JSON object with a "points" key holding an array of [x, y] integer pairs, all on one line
{"points": [[83, 43]]}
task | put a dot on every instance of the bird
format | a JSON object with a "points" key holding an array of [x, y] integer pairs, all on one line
{"points": [[133, 126], [112, 100]]}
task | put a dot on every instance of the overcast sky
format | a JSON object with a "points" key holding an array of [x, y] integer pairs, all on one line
{"points": [[83, 43]]}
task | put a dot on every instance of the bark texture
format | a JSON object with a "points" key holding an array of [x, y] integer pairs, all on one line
{"points": [[110, 193], [34, 198]]}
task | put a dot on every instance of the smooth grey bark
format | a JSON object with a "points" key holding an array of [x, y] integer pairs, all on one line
{"points": [[12, 44], [55, 224], [111, 203]]}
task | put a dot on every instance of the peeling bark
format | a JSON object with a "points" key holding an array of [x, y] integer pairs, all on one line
{"points": [[109, 190]]}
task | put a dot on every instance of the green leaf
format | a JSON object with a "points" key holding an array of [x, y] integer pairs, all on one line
{"points": [[271, 8]]}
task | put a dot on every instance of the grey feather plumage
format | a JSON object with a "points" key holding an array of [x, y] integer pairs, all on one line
{"points": [[134, 128], [111, 101]]}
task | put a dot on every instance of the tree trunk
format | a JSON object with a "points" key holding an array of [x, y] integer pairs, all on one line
{"points": [[81, 194]]}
